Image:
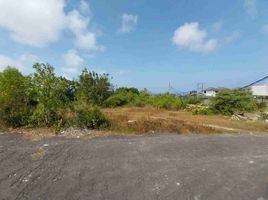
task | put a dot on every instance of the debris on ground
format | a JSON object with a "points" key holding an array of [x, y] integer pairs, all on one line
{"points": [[75, 133], [131, 121], [246, 116]]}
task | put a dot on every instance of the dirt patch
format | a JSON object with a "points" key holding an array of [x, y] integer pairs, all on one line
{"points": [[34, 133]]}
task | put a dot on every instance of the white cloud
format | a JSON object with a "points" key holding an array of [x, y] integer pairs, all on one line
{"points": [[33, 22], [232, 37], [76, 22], [23, 62], [40, 22], [189, 36], [84, 7], [129, 23], [72, 62], [84, 39], [250, 7], [217, 26]]}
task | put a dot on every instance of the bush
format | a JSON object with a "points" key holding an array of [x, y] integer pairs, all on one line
{"points": [[15, 98], [51, 93], [166, 101], [192, 100], [229, 101], [93, 88], [123, 90], [124, 96], [116, 100], [89, 117]]}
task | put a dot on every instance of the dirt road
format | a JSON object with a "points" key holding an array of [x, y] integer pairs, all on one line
{"points": [[126, 168]]}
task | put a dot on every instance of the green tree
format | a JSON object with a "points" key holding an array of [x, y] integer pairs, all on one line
{"points": [[126, 96], [52, 94], [93, 88], [127, 90], [15, 98], [229, 101]]}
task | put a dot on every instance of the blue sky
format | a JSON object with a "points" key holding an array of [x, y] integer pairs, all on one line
{"points": [[142, 43]]}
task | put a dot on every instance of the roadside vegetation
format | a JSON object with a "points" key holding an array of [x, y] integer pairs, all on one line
{"points": [[43, 99]]}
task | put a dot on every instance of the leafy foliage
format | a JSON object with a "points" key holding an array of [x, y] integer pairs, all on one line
{"points": [[167, 101], [51, 93], [229, 101], [93, 88], [44, 99], [192, 100], [202, 111], [123, 96], [89, 117], [15, 97]]}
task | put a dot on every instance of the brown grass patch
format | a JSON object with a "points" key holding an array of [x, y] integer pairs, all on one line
{"points": [[40, 153], [144, 120]]}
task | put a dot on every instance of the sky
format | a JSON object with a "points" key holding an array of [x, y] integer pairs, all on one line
{"points": [[142, 43]]}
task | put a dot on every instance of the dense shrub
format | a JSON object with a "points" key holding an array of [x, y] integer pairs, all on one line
{"points": [[192, 100], [123, 90], [124, 96], [166, 101], [51, 94], [93, 88], [116, 100], [15, 98], [44, 99], [229, 101], [89, 117], [131, 97]]}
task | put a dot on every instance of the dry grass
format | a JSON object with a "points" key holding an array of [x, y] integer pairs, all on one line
{"points": [[145, 120], [40, 153], [34, 133], [139, 121]]}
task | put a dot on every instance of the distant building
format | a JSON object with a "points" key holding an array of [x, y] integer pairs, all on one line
{"points": [[211, 91], [259, 88]]}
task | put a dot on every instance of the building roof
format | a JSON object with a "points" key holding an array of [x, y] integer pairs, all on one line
{"points": [[214, 89]]}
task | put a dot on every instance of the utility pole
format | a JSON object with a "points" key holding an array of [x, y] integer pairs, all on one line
{"points": [[200, 87], [169, 88]]}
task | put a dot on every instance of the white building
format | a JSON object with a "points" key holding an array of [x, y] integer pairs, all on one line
{"points": [[260, 90], [210, 92]]}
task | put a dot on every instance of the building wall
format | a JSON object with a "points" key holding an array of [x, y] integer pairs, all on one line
{"points": [[210, 93], [260, 90]]}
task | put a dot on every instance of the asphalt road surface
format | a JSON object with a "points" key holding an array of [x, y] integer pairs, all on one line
{"points": [[216, 167]]}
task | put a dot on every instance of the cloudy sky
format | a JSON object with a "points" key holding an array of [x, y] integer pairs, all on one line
{"points": [[142, 43]]}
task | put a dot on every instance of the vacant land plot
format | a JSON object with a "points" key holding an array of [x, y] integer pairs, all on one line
{"points": [[144, 120], [164, 167]]}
